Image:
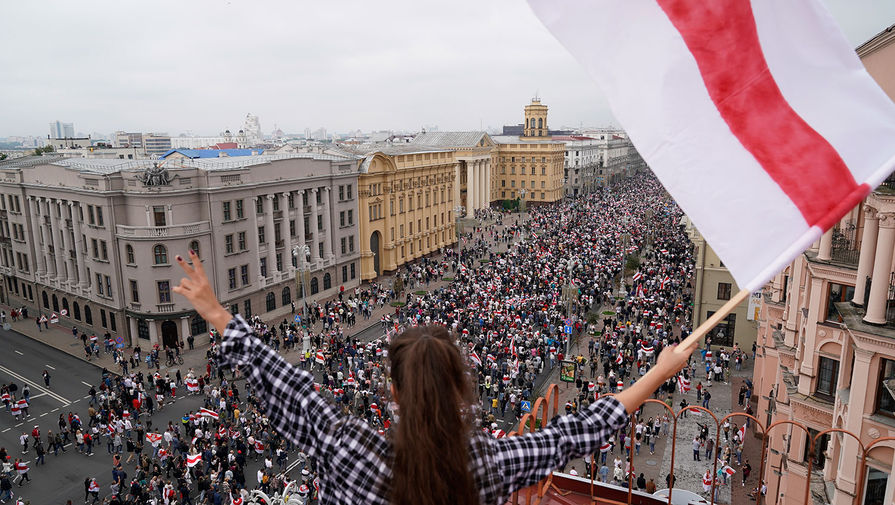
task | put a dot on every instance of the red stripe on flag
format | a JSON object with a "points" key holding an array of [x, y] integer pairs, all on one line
{"points": [[723, 39]]}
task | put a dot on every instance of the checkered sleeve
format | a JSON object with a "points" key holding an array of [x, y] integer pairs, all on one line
{"points": [[524, 460], [290, 401]]}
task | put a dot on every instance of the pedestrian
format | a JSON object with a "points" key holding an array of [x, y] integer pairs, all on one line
{"points": [[47, 378], [697, 445], [21, 468], [5, 488], [23, 440]]}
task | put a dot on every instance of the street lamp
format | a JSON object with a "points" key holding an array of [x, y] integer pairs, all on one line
{"points": [[304, 272], [573, 265], [458, 211], [522, 200]]}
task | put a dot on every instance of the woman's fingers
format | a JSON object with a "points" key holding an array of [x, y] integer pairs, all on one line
{"points": [[197, 263], [184, 265]]}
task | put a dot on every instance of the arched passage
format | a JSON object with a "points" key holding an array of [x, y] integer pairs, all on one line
{"points": [[169, 334], [375, 240]]}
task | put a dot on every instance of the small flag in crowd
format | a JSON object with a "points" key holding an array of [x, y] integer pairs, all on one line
{"points": [[475, 358], [208, 413], [605, 447], [683, 384], [193, 460], [748, 122], [320, 358], [619, 359]]}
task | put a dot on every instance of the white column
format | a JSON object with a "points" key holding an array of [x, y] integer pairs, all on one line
{"points": [[470, 184], [271, 236], [328, 218], [184, 327], [488, 183], [483, 177], [301, 220], [58, 252], [66, 239], [826, 246], [287, 234], [253, 211], [456, 188], [315, 232], [39, 259], [882, 262], [153, 334], [132, 323], [79, 248], [868, 251], [47, 236], [849, 455]]}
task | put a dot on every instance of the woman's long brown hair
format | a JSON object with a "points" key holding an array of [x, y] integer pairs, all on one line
{"points": [[432, 435]]}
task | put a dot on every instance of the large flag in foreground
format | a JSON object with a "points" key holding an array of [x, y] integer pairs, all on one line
{"points": [[757, 116]]}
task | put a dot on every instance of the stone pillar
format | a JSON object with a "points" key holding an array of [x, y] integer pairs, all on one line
{"points": [[315, 232], [470, 183], [47, 236], [66, 257], [287, 234], [153, 333], [132, 324], [253, 231], [328, 218], [58, 250], [849, 455], [826, 246], [40, 260], [301, 220], [79, 248], [271, 236], [488, 172], [868, 251], [456, 188], [882, 262], [483, 192], [184, 327]]}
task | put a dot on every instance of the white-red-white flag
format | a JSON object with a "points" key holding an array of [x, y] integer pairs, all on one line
{"points": [[475, 358], [193, 460], [208, 413], [757, 116]]}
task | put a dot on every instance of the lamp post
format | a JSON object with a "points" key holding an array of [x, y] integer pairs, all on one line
{"points": [[304, 270], [570, 287], [522, 200]]}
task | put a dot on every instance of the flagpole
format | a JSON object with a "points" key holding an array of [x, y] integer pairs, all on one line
{"points": [[690, 342]]}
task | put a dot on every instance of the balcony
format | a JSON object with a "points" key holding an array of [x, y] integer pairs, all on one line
{"points": [[164, 307], [155, 232]]}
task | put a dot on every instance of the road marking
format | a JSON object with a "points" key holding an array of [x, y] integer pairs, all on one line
{"points": [[20, 353], [45, 413], [19, 424], [87, 384], [38, 396], [51, 367], [88, 396], [35, 385], [7, 429], [55, 410]]}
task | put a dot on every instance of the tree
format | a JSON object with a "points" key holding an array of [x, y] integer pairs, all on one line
{"points": [[3, 156]]}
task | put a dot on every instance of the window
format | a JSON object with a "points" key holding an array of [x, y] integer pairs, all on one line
{"points": [[875, 489], [259, 205], [45, 299], [286, 296], [348, 190], [95, 245], [320, 249], [344, 274], [99, 216], [315, 286], [722, 334], [351, 217], [161, 254], [194, 246], [327, 281], [291, 227], [279, 262], [76, 309], [837, 293], [99, 284], [198, 326], [164, 292], [239, 211], [341, 193], [129, 250], [344, 243], [342, 218], [231, 278], [885, 389], [142, 329], [724, 291], [108, 286], [102, 318], [264, 267], [104, 249], [241, 236], [261, 238], [351, 243], [226, 208], [319, 222], [90, 218], [234, 308], [827, 376], [271, 301], [247, 308], [352, 271], [135, 292], [244, 274], [158, 215], [228, 243]]}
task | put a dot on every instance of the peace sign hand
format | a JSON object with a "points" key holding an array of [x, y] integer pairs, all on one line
{"points": [[196, 288]]}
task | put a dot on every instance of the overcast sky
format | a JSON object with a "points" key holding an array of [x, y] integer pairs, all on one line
{"points": [[201, 65]]}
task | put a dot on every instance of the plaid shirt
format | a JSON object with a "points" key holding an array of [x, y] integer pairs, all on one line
{"points": [[355, 460]]}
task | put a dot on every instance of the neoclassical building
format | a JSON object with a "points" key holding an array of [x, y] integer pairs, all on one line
{"points": [[96, 238]]}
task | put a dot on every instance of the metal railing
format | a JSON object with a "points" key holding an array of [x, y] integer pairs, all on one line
{"points": [[163, 231], [546, 407]]}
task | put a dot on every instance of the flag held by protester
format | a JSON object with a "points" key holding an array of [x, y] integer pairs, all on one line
{"points": [[757, 116]]}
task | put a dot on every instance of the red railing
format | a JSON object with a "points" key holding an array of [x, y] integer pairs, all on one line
{"points": [[541, 413]]}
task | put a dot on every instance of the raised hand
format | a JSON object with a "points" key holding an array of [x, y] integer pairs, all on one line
{"points": [[196, 288]]}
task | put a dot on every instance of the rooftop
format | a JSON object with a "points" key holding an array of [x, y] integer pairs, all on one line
{"points": [[511, 139], [449, 139], [212, 153]]}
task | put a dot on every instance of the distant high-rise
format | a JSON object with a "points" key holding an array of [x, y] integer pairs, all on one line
{"points": [[60, 130]]}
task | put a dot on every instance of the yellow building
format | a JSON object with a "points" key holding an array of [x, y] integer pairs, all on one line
{"points": [[406, 201], [531, 166]]}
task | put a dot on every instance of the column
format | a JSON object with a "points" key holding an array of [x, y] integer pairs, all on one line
{"points": [[483, 178], [882, 262], [39, 259], [301, 220], [487, 183], [271, 236], [132, 324], [868, 251], [253, 232], [153, 333], [849, 455], [456, 188], [328, 217], [470, 183], [287, 234], [184, 327], [79, 251], [66, 239], [315, 232], [58, 252], [826, 246], [47, 236]]}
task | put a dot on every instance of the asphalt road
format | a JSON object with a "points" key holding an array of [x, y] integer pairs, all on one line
{"points": [[22, 361]]}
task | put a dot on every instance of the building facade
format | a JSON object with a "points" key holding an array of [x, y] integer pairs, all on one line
{"points": [[713, 286], [826, 350], [60, 130], [583, 161], [97, 238], [407, 195]]}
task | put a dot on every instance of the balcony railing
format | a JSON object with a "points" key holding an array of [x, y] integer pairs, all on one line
{"points": [[176, 231], [164, 307], [844, 249], [563, 488]]}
